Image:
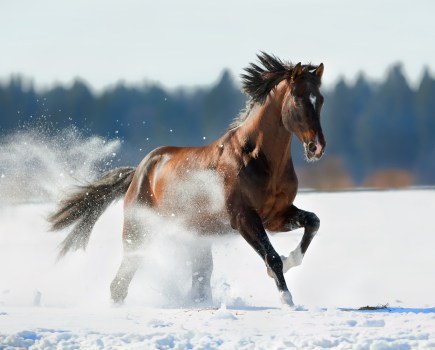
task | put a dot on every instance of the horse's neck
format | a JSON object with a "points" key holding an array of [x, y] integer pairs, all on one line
{"points": [[266, 133]]}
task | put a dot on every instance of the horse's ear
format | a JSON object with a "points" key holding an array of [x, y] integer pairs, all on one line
{"points": [[297, 71], [319, 70]]}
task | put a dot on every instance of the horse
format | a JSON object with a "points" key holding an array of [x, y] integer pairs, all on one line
{"points": [[251, 165]]}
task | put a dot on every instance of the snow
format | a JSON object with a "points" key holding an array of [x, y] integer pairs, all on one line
{"points": [[373, 248]]}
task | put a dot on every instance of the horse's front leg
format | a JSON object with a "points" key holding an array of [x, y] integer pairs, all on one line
{"points": [[297, 218], [250, 226]]}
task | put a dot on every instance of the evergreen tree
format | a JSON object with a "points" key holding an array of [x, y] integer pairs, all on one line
{"points": [[221, 105], [368, 127], [341, 113], [425, 114], [387, 131]]}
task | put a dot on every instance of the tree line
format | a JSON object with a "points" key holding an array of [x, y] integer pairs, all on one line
{"points": [[383, 127]]}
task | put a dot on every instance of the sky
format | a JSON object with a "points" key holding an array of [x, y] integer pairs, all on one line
{"points": [[189, 43]]}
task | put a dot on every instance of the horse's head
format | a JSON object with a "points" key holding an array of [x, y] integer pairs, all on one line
{"points": [[301, 109]]}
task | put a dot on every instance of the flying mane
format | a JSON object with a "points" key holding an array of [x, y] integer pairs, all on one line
{"points": [[259, 81]]}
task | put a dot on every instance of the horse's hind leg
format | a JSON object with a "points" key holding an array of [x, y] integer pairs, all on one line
{"points": [[119, 285], [298, 218], [202, 268], [133, 242]]}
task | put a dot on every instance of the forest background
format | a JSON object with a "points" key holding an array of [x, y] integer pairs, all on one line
{"points": [[379, 133]]}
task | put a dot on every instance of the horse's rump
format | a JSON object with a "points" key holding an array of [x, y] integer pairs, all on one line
{"points": [[182, 183]]}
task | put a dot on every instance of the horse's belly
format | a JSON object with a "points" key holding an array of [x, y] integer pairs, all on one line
{"points": [[197, 198]]}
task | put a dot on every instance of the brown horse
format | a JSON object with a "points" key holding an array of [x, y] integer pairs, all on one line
{"points": [[249, 168]]}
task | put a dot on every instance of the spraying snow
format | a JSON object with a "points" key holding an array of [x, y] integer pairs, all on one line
{"points": [[37, 166]]}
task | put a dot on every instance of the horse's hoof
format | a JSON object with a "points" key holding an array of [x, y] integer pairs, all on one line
{"points": [[201, 297], [118, 303], [118, 297], [286, 298]]}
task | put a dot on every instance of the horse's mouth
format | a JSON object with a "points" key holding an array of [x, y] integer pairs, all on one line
{"points": [[313, 151]]}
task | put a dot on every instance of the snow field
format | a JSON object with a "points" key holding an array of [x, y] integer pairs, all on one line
{"points": [[373, 248], [255, 328]]}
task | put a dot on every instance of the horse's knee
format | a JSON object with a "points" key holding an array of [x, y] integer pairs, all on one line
{"points": [[274, 263], [312, 222]]}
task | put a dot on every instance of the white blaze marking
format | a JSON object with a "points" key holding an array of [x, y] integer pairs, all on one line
{"points": [[313, 100]]}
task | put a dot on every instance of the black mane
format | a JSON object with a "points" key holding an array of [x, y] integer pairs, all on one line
{"points": [[258, 81]]}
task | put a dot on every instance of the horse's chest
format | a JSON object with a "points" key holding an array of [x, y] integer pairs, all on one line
{"points": [[274, 203]]}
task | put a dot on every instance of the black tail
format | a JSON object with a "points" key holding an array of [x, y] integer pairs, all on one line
{"points": [[85, 206]]}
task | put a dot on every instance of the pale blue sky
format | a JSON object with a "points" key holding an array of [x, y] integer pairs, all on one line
{"points": [[189, 42]]}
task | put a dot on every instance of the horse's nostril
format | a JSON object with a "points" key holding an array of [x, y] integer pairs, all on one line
{"points": [[312, 147]]}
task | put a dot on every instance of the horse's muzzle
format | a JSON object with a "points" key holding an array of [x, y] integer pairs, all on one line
{"points": [[314, 150]]}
